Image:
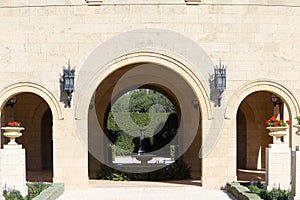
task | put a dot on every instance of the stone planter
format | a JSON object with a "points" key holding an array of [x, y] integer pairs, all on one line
{"points": [[298, 127], [144, 158], [12, 133], [277, 133]]}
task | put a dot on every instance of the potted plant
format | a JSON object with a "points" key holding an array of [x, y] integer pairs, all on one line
{"points": [[12, 131], [298, 125], [277, 128]]}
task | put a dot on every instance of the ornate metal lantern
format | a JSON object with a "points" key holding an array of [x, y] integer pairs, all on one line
{"points": [[11, 102], [68, 82], [275, 99], [220, 77]]}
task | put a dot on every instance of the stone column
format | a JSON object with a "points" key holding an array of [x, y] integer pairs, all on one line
{"points": [[278, 166], [296, 175], [13, 168]]}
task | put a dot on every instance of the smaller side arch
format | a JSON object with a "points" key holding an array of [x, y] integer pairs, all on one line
{"points": [[261, 85], [38, 89]]}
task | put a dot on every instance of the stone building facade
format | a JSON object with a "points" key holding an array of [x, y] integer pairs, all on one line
{"points": [[181, 41]]}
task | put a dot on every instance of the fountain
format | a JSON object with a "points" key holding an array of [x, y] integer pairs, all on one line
{"points": [[141, 155]]}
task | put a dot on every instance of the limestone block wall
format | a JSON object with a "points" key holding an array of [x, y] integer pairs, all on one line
{"points": [[256, 40]]}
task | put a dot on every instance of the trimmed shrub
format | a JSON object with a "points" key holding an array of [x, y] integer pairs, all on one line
{"points": [[274, 194], [12, 194], [174, 171]]}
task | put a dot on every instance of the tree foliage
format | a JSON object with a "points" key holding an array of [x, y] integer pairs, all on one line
{"points": [[143, 100], [137, 109]]}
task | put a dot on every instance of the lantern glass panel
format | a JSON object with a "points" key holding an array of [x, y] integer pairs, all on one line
{"points": [[218, 81], [223, 81], [67, 83], [71, 82]]}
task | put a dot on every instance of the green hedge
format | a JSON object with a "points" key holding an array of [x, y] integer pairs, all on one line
{"points": [[126, 132], [152, 121], [174, 171], [256, 191]]}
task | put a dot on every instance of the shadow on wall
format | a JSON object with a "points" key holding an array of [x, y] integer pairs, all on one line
{"points": [[63, 95]]}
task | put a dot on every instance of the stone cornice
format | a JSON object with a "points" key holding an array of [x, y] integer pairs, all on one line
{"points": [[93, 2], [193, 2]]}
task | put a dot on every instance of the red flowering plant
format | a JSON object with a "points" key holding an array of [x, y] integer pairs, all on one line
{"points": [[14, 124], [273, 122]]}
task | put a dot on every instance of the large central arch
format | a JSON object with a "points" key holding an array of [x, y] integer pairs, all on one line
{"points": [[163, 78], [165, 48], [160, 46], [178, 65]]}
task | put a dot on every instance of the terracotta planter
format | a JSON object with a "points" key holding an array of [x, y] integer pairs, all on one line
{"points": [[277, 133], [12, 133]]}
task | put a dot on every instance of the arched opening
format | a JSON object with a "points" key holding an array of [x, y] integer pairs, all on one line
{"points": [[35, 116], [158, 123], [156, 78], [290, 109], [252, 136]]}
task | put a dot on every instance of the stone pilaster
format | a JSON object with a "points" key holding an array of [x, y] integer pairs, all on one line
{"points": [[296, 175], [278, 166], [13, 168]]}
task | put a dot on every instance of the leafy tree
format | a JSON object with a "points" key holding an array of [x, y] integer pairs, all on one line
{"points": [[143, 100], [135, 109]]}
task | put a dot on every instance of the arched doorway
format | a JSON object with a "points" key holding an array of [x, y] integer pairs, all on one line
{"points": [[249, 108], [188, 60], [148, 76], [34, 114], [252, 137]]}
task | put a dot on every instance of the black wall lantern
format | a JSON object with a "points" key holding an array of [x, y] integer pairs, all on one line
{"points": [[220, 80], [11, 102], [220, 77], [275, 100], [68, 82]]}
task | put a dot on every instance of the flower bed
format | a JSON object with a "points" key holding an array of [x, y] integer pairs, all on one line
{"points": [[52, 192], [241, 192], [36, 191], [256, 191]]}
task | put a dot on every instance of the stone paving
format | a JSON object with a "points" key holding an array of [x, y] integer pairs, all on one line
{"points": [[110, 190]]}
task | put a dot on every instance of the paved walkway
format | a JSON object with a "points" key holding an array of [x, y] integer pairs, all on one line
{"points": [[110, 190]]}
